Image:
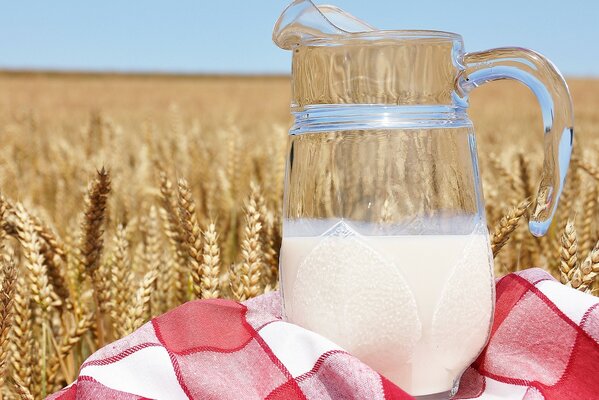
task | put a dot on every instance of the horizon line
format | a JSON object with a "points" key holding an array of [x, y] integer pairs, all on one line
{"points": [[171, 74], [138, 73]]}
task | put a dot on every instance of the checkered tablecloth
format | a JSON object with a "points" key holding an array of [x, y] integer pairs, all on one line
{"points": [[544, 345]]}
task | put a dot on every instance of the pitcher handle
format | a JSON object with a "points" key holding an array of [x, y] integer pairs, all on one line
{"points": [[551, 90]]}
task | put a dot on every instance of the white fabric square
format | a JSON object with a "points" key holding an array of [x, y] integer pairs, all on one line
{"points": [[147, 372], [573, 303], [297, 348]]}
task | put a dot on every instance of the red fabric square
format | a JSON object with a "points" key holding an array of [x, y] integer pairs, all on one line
{"points": [[533, 343], [580, 381], [203, 325], [248, 373]]}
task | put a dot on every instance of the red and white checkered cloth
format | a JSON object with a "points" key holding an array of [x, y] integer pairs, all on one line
{"points": [[544, 345]]}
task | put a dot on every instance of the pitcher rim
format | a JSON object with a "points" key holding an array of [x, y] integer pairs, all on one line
{"points": [[398, 35]]}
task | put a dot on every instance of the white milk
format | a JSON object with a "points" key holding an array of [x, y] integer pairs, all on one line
{"points": [[417, 309]]}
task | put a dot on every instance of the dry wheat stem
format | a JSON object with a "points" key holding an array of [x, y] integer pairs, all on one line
{"points": [[153, 259], [21, 336], [210, 264], [172, 229], [7, 292], [120, 279], [503, 172], [50, 247], [192, 234], [588, 219], [507, 225], [70, 340], [94, 215], [589, 270], [568, 252], [590, 169], [21, 389], [92, 242], [252, 263], [38, 273], [140, 310], [3, 213], [271, 261]]}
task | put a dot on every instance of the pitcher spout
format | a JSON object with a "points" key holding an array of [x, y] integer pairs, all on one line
{"points": [[303, 21]]}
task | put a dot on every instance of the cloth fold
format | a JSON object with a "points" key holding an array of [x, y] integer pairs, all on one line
{"points": [[544, 345]]}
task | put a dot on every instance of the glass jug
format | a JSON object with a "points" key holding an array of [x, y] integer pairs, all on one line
{"points": [[385, 246]]}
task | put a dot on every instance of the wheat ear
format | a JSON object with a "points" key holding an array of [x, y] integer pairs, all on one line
{"points": [[21, 335], [68, 342], [120, 279], [3, 221], [267, 242], [589, 270], [7, 292], [94, 215], [251, 250], [210, 264], [502, 172], [153, 255], [568, 253], [21, 389], [40, 286], [507, 225], [141, 310], [192, 234], [92, 243], [54, 254], [588, 219], [172, 229], [590, 169], [50, 248]]}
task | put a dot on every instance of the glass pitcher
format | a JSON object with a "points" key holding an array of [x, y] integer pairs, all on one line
{"points": [[385, 246]]}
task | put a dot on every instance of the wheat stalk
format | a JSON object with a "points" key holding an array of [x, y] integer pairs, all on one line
{"points": [[136, 315], [21, 389], [192, 234], [568, 253], [3, 222], [502, 172], [172, 229], [7, 292], [267, 244], [210, 264], [92, 243], [120, 279], [588, 219], [21, 336], [69, 341], [38, 276], [153, 255], [590, 169], [251, 250], [507, 225], [589, 270]]}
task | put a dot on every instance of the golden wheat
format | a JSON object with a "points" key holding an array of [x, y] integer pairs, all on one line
{"points": [[217, 231]]}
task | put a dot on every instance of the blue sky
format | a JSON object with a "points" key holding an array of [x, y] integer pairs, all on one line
{"points": [[234, 36]]}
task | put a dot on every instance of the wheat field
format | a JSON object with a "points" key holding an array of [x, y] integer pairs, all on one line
{"points": [[124, 196]]}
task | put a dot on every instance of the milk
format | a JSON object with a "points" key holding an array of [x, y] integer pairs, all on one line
{"points": [[416, 308]]}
